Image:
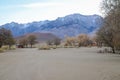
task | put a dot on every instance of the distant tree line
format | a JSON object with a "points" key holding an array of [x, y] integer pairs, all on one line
{"points": [[28, 40], [6, 37], [78, 41], [55, 41], [109, 33]]}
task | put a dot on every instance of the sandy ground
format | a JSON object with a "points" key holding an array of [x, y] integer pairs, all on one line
{"points": [[59, 64]]}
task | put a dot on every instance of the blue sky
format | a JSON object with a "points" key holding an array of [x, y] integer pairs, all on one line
{"points": [[24, 11]]}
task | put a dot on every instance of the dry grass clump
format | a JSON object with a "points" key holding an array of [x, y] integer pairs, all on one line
{"points": [[48, 47], [44, 47], [8, 48], [69, 46], [1, 50], [13, 48], [105, 50], [60, 46], [53, 47], [5, 48]]}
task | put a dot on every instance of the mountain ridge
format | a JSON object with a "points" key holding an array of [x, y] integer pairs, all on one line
{"points": [[70, 25]]}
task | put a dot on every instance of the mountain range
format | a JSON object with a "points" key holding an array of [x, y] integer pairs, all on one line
{"points": [[70, 25]]}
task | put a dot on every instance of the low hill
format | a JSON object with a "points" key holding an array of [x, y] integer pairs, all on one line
{"points": [[41, 37]]}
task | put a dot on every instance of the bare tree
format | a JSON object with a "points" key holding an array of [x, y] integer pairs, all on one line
{"points": [[70, 41], [24, 42], [32, 40], [109, 33], [49, 42], [83, 40], [6, 37], [56, 41]]}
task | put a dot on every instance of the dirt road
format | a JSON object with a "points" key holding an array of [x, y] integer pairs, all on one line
{"points": [[59, 64]]}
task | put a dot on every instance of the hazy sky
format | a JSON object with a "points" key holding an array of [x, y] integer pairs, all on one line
{"points": [[23, 11]]}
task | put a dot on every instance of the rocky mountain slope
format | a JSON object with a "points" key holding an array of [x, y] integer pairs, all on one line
{"points": [[70, 25]]}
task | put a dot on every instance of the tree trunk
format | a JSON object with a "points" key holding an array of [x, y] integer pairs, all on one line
{"points": [[79, 44], [0, 45], [9, 46], [31, 45], [26, 46], [113, 49]]}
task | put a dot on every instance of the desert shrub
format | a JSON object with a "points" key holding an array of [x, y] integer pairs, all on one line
{"points": [[65, 46], [83, 40], [100, 51], [118, 51], [53, 47], [60, 46], [70, 41], [105, 50], [1, 50], [13, 48], [44, 47], [5, 47], [69, 46], [8, 48]]}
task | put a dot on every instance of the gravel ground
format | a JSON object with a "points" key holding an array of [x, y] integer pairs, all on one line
{"points": [[59, 64]]}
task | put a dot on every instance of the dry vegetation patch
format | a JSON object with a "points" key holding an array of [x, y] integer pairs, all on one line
{"points": [[44, 47]]}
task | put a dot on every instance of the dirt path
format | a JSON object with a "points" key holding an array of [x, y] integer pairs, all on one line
{"points": [[59, 64]]}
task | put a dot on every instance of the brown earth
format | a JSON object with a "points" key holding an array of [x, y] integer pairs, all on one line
{"points": [[59, 64]]}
